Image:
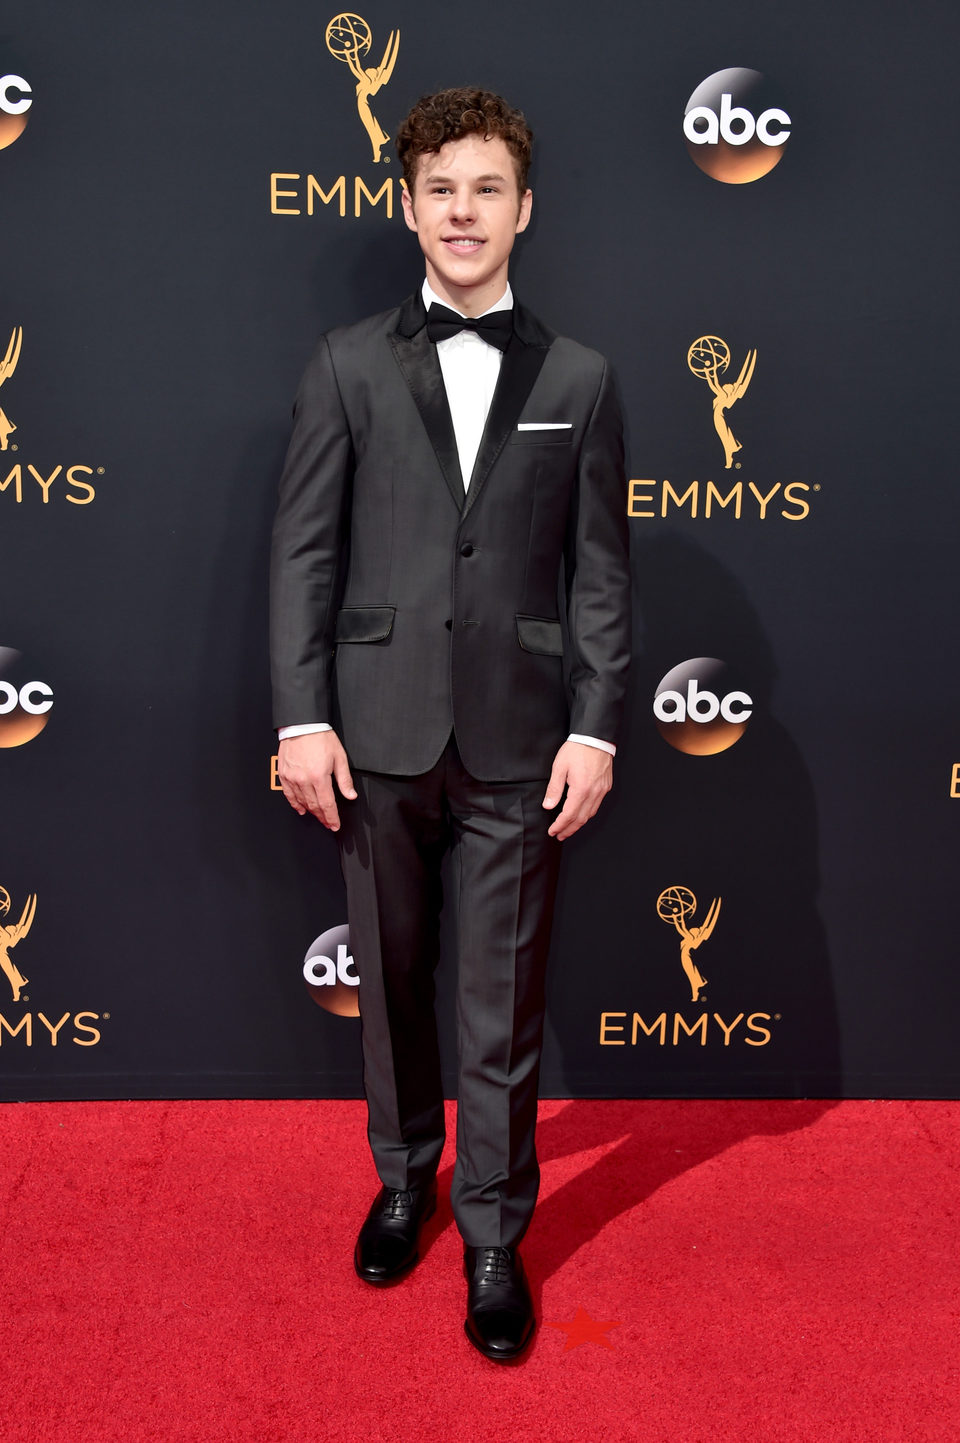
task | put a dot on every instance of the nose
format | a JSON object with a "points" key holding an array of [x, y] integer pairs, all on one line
{"points": [[461, 208]]}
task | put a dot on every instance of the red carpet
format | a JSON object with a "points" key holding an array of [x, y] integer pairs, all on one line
{"points": [[776, 1271]]}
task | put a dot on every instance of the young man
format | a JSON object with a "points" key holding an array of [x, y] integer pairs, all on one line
{"points": [[454, 482]]}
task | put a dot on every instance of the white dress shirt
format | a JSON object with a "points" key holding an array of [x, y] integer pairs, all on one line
{"points": [[470, 369]]}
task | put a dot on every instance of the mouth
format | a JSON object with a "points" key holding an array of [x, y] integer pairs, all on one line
{"points": [[464, 245]]}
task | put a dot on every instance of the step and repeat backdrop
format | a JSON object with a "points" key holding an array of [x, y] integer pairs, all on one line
{"points": [[751, 210]]}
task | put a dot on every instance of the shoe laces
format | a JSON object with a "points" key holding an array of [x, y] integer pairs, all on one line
{"points": [[397, 1203], [497, 1265]]}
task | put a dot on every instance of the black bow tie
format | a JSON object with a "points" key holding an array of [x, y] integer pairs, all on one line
{"points": [[495, 328]]}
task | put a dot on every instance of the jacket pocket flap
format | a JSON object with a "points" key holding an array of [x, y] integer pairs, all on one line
{"points": [[540, 635], [364, 623]]}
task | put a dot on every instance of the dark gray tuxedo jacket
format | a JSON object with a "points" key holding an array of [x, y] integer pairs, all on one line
{"points": [[404, 608]]}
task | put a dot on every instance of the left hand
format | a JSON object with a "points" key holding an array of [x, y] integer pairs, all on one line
{"points": [[587, 774]]}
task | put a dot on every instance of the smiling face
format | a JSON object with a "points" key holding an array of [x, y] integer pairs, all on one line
{"points": [[466, 209]]}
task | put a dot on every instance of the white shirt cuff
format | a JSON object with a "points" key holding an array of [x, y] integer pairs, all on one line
{"points": [[306, 728], [302, 730], [593, 742]]}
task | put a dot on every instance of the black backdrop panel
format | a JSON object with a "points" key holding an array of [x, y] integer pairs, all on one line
{"points": [[193, 198]]}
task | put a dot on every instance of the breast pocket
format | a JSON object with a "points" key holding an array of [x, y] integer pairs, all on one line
{"points": [[543, 438]]}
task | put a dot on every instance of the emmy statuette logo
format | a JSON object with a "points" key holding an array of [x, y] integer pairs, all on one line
{"points": [[10, 934], [697, 1026], [677, 905], [35, 1029], [39, 485], [730, 497], [349, 39], [15, 100], [709, 359], [7, 367]]}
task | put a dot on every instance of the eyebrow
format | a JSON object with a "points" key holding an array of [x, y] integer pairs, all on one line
{"points": [[479, 179]]}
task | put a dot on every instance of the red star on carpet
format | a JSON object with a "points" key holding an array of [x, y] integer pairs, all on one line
{"points": [[584, 1329]]}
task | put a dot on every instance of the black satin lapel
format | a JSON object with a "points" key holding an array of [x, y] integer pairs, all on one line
{"points": [[519, 369], [417, 359]]}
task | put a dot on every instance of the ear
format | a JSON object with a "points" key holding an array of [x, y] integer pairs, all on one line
{"points": [[408, 212], [526, 206]]}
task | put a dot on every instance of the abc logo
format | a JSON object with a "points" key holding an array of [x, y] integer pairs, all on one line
{"points": [[330, 975], [24, 703], [15, 101], [698, 711], [733, 132]]}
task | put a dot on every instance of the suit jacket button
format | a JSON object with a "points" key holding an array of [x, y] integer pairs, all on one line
{"points": [[466, 550], [448, 624]]}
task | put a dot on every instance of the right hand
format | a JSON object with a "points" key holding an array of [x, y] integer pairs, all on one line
{"points": [[307, 766]]}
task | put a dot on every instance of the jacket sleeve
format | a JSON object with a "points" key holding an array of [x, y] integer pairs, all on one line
{"points": [[597, 572], [310, 538]]}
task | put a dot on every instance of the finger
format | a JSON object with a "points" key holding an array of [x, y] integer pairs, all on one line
{"points": [[555, 785], [292, 795], [581, 804], [561, 832], [326, 810], [571, 817], [322, 804], [570, 820], [341, 770]]}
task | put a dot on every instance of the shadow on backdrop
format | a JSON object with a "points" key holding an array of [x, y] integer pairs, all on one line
{"points": [[736, 831]]}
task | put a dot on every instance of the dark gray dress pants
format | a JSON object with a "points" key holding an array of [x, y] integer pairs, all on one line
{"points": [[393, 840]]}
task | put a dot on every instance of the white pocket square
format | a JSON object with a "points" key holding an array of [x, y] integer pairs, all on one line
{"points": [[544, 425]]}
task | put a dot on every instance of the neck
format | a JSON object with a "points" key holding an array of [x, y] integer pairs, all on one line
{"points": [[470, 301]]}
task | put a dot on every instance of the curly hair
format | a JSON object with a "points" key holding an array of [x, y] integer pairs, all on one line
{"points": [[452, 114]]}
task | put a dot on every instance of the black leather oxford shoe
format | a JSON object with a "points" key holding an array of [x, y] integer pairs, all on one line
{"points": [[499, 1318], [389, 1241]]}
